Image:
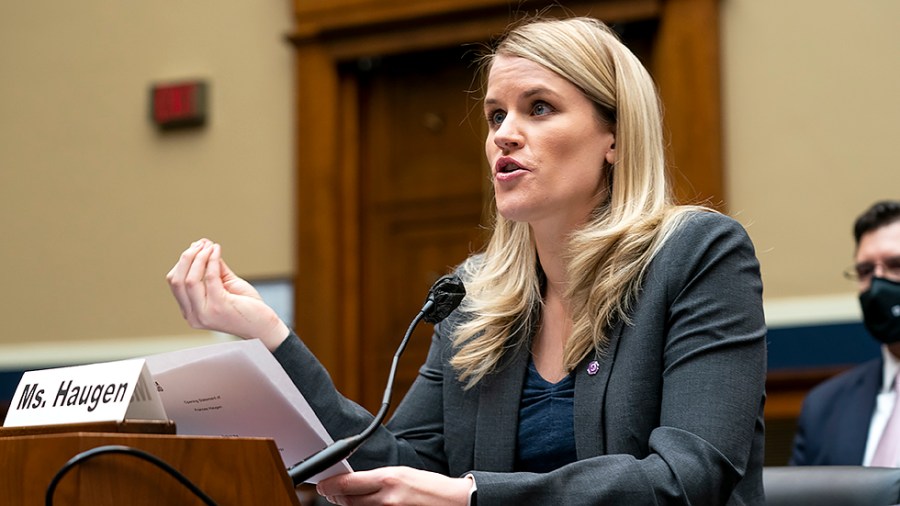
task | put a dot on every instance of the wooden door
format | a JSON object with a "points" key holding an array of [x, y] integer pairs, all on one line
{"points": [[423, 177]]}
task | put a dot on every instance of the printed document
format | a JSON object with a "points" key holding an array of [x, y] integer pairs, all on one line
{"points": [[238, 389]]}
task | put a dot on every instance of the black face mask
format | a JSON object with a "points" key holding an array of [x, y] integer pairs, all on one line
{"points": [[881, 310]]}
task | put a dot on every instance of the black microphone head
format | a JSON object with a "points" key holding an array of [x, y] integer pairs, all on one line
{"points": [[447, 293]]}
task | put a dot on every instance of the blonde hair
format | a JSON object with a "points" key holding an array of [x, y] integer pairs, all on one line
{"points": [[609, 255]]}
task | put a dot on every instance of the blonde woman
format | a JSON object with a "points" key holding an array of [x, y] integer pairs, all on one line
{"points": [[611, 348]]}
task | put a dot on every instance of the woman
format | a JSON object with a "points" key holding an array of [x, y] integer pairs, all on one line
{"points": [[611, 348]]}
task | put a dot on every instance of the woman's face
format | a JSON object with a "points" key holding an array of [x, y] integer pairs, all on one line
{"points": [[546, 145]]}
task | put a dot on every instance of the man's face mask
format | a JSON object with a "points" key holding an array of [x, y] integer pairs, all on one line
{"points": [[881, 310]]}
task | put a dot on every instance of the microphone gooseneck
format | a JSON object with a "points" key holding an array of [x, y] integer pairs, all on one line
{"points": [[444, 296]]}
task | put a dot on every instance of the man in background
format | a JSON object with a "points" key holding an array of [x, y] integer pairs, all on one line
{"points": [[849, 419]]}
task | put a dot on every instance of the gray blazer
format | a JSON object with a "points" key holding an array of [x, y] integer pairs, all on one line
{"points": [[673, 415]]}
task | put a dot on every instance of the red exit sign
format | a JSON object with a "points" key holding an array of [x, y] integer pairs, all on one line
{"points": [[179, 104]]}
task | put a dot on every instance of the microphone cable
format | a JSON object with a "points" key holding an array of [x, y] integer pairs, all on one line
{"points": [[125, 450]]}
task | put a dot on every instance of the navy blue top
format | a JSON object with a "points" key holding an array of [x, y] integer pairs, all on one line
{"points": [[546, 439]]}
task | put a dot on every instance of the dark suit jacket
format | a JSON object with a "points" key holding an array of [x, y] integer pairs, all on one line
{"points": [[834, 422], [674, 415]]}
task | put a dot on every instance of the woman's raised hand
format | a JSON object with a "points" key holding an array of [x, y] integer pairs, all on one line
{"points": [[212, 297]]}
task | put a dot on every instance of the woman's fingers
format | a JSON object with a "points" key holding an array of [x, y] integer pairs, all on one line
{"points": [[176, 277], [195, 284], [351, 484], [395, 485], [213, 276]]}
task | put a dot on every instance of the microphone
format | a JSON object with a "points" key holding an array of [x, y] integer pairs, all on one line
{"points": [[443, 297]]}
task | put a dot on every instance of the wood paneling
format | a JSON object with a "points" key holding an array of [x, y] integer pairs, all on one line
{"points": [[785, 391], [228, 470], [688, 38], [329, 20]]}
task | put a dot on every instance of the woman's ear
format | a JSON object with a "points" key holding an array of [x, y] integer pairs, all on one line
{"points": [[611, 153]]}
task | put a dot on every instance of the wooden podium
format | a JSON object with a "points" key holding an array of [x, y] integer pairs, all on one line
{"points": [[231, 471]]}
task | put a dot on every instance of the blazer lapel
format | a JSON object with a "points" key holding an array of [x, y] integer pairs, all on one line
{"points": [[591, 380], [498, 410]]}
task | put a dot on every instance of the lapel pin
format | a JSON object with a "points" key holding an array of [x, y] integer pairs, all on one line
{"points": [[593, 368]]}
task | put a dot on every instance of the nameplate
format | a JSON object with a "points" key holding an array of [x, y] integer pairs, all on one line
{"points": [[110, 391]]}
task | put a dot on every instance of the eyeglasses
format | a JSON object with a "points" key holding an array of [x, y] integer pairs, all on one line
{"points": [[863, 271]]}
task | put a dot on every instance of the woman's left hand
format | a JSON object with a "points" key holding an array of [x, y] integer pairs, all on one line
{"points": [[395, 485]]}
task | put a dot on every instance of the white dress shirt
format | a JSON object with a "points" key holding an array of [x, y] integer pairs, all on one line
{"points": [[884, 404]]}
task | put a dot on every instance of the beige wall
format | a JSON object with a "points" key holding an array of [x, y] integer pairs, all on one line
{"points": [[811, 122], [96, 205]]}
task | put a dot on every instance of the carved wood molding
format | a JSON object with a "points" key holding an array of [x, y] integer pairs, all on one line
{"points": [[341, 20]]}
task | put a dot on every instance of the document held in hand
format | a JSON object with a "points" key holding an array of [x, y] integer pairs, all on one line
{"points": [[238, 389]]}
